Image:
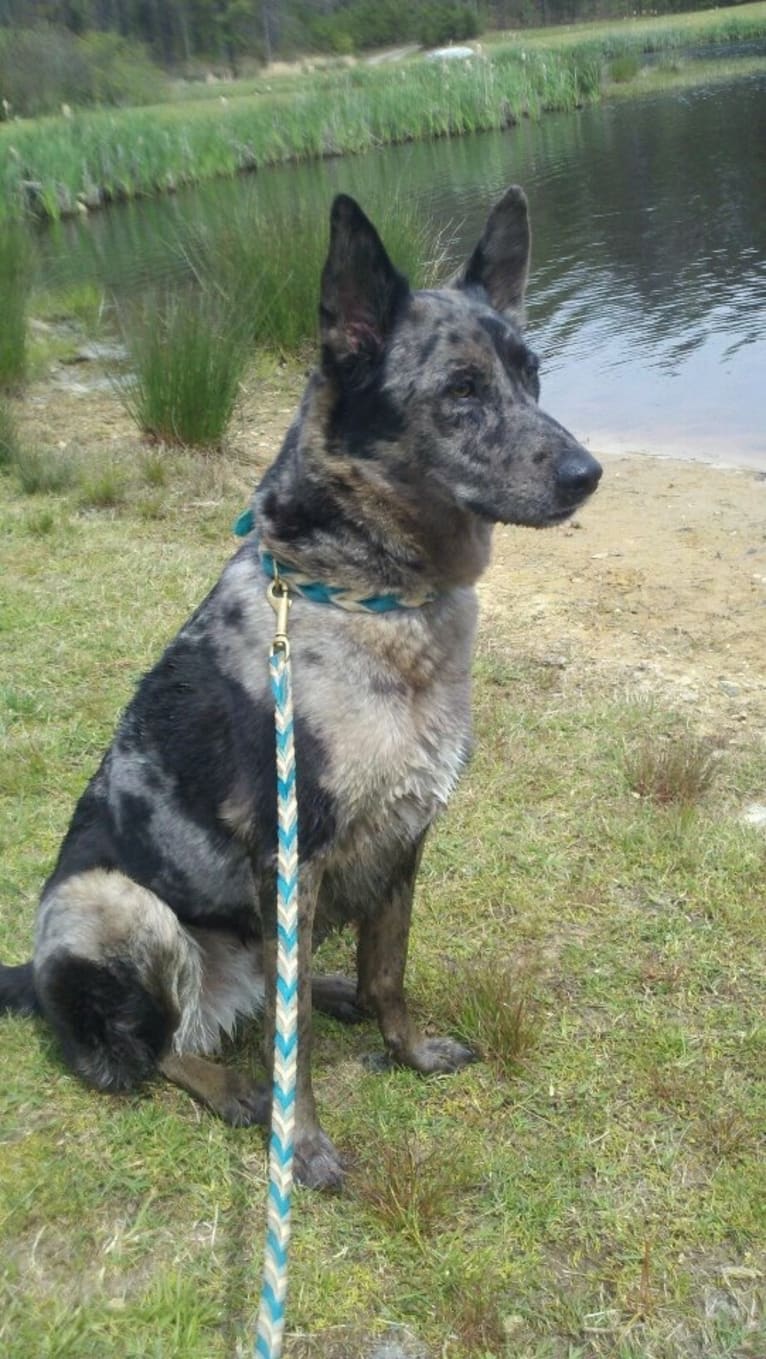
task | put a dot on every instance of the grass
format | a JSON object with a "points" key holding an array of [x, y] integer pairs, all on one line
{"points": [[41, 471], [9, 435], [653, 33], [624, 68], [491, 1006], [188, 350], [14, 291], [671, 769], [597, 1194], [105, 155]]}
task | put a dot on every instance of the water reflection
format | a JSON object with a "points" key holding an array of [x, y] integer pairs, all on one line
{"points": [[647, 299]]}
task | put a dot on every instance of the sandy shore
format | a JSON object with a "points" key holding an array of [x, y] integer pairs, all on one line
{"points": [[659, 585]]}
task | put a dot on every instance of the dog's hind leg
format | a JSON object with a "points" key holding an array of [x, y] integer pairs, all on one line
{"points": [[115, 973], [381, 962]]}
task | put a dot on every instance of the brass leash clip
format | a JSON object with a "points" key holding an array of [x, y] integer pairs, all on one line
{"points": [[278, 596]]}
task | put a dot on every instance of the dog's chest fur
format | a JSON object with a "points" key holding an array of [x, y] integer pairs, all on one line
{"points": [[384, 701]]}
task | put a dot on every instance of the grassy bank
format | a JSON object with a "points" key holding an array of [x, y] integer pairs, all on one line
{"points": [[92, 157], [590, 912], [740, 23]]}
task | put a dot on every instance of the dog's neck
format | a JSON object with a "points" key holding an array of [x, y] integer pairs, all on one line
{"points": [[339, 520]]}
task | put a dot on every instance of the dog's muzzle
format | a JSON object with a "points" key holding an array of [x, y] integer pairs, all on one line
{"points": [[577, 476]]}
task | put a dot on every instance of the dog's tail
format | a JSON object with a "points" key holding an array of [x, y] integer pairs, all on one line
{"points": [[17, 990]]}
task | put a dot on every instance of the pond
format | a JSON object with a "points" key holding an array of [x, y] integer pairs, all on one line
{"points": [[647, 300]]}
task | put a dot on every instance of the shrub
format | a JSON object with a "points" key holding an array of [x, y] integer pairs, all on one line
{"points": [[624, 68], [14, 289], [43, 68], [438, 23], [188, 350]]}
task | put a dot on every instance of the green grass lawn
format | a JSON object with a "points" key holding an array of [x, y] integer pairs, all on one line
{"points": [[593, 1188]]}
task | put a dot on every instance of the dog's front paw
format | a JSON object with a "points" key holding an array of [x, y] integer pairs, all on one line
{"points": [[316, 1163], [434, 1055]]}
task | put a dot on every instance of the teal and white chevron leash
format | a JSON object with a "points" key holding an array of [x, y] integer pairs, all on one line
{"points": [[271, 1313]]}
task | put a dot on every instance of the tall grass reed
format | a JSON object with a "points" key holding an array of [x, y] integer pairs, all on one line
{"points": [[15, 271], [188, 351]]}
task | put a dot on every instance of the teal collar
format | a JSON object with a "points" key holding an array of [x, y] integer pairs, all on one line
{"points": [[339, 595]]}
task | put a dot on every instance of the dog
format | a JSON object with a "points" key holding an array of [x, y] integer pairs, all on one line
{"points": [[156, 933]]}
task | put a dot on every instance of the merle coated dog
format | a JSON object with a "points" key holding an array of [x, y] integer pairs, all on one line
{"points": [[419, 430]]}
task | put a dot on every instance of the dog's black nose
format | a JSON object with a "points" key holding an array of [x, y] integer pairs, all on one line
{"points": [[577, 475]]}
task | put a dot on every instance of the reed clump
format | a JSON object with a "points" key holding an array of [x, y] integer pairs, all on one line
{"points": [[188, 352]]}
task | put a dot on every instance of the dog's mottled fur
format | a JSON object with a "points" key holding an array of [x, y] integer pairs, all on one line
{"points": [[156, 930]]}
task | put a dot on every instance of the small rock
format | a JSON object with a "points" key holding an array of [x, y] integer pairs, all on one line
{"points": [[450, 54], [398, 1343], [755, 815], [98, 351], [726, 687]]}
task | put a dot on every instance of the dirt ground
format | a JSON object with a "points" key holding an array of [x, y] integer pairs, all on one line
{"points": [[659, 585]]}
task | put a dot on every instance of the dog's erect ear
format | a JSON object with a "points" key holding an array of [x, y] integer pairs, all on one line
{"points": [[361, 290], [500, 262]]}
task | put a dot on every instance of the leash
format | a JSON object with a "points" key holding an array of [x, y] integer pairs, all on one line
{"points": [[271, 1312]]}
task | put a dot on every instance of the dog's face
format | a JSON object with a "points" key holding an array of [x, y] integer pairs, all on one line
{"points": [[436, 392]]}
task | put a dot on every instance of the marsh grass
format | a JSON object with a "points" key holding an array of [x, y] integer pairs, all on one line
{"points": [[678, 769], [15, 265], [188, 350]]}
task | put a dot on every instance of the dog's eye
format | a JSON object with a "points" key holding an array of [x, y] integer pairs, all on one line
{"points": [[462, 388]]}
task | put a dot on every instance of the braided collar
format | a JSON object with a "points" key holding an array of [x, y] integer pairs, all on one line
{"points": [[339, 595]]}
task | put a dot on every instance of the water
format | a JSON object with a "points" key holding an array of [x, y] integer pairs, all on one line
{"points": [[647, 299]]}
